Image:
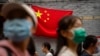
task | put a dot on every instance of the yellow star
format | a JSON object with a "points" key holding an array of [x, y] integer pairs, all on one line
{"points": [[38, 14]]}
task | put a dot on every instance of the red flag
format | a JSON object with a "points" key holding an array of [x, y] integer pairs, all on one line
{"points": [[48, 20]]}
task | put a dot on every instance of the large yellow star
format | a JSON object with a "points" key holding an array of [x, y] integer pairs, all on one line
{"points": [[38, 14]]}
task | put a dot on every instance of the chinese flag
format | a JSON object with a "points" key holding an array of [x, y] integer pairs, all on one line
{"points": [[48, 20]]}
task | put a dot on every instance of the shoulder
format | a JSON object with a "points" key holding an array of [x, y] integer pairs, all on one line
{"points": [[62, 51], [84, 53], [49, 54], [66, 52], [3, 52]]}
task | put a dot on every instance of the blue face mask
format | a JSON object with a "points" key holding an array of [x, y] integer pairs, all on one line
{"points": [[18, 29]]}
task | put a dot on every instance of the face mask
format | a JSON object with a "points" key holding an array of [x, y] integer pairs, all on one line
{"points": [[17, 30], [79, 35]]}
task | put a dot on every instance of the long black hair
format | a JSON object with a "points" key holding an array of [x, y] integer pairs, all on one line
{"points": [[48, 46], [31, 47], [2, 20], [64, 24]]}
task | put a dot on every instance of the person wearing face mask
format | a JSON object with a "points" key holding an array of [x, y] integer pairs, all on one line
{"points": [[89, 45], [19, 26], [70, 35]]}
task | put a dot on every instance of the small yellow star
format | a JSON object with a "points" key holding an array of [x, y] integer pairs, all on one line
{"points": [[38, 14]]}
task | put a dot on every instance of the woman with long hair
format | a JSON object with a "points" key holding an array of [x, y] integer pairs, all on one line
{"points": [[70, 35]]}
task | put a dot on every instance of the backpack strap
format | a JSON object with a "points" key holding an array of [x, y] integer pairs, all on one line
{"points": [[7, 50]]}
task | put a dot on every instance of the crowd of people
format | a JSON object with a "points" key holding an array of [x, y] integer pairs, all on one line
{"points": [[18, 22]]}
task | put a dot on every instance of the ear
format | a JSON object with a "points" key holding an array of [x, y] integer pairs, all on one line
{"points": [[67, 34], [33, 30], [91, 45], [63, 33]]}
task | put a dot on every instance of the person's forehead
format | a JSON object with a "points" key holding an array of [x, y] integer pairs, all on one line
{"points": [[78, 23], [18, 11]]}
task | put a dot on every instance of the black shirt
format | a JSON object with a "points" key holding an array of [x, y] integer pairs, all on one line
{"points": [[84, 53]]}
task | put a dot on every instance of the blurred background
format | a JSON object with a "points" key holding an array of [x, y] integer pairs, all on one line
{"points": [[88, 10]]}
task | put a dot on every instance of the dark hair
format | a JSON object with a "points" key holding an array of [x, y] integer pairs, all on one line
{"points": [[48, 46], [2, 20], [1, 6], [64, 24], [90, 39], [18, 13], [31, 47]]}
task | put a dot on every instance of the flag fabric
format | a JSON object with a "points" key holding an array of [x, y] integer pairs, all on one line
{"points": [[48, 20]]}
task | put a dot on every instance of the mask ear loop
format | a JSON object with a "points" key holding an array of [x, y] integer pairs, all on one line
{"points": [[72, 31]]}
